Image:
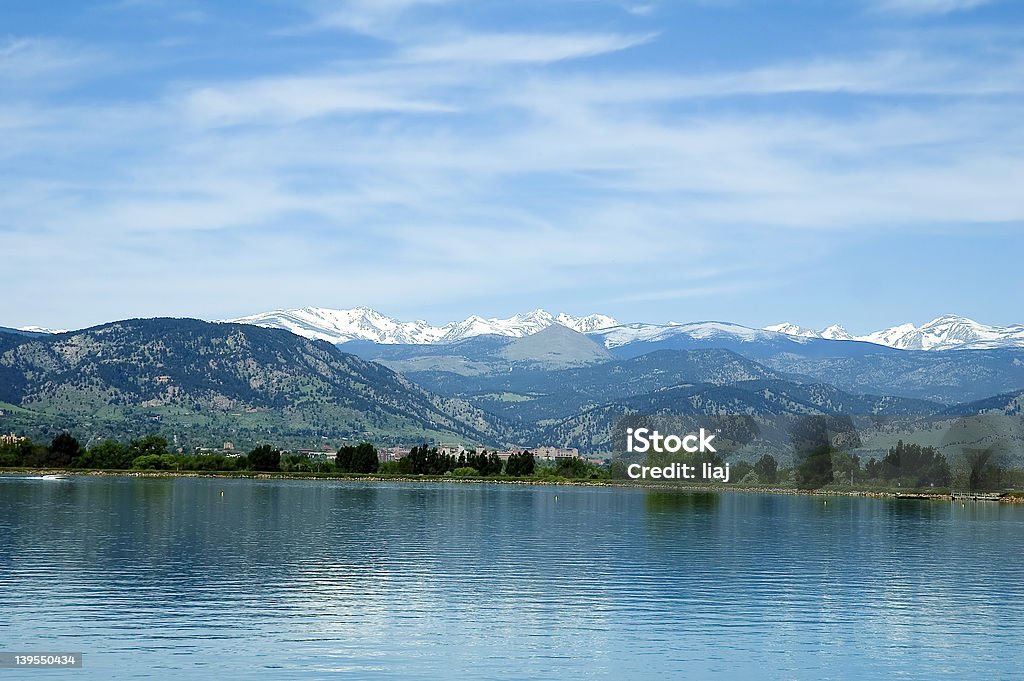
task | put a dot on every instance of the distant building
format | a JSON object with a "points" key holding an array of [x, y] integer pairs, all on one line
{"points": [[392, 453], [316, 454], [548, 453], [11, 439], [507, 453], [229, 446]]}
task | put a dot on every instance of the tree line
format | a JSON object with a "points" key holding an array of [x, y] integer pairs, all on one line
{"points": [[425, 460], [905, 465], [153, 452]]}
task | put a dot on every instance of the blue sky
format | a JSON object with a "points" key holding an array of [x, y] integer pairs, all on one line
{"points": [[750, 161]]}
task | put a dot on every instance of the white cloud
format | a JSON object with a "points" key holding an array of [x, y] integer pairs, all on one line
{"points": [[43, 64], [366, 16], [436, 161], [928, 6], [294, 99], [496, 48], [640, 10], [893, 72]]}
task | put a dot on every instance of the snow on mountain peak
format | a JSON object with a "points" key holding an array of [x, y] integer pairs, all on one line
{"points": [[364, 323], [835, 332], [586, 324], [948, 332], [41, 329], [793, 330]]}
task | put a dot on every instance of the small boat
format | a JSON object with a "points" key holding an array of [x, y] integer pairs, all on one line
{"points": [[54, 476]]}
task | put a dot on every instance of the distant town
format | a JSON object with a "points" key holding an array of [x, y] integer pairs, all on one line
{"points": [[543, 455]]}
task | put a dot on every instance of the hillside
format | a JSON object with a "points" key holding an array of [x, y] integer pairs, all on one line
{"points": [[532, 393], [773, 404], [950, 377], [556, 346], [199, 381]]}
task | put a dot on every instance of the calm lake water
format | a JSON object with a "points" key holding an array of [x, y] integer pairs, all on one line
{"points": [[301, 580]]}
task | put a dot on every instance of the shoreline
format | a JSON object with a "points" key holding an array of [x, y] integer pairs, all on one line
{"points": [[1008, 497]]}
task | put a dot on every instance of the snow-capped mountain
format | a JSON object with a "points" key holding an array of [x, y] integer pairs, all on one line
{"points": [[794, 330], [625, 334], [836, 332], [948, 332], [40, 329], [341, 326], [586, 324], [363, 323]]}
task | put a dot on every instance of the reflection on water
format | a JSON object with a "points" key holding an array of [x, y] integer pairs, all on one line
{"points": [[206, 577]]}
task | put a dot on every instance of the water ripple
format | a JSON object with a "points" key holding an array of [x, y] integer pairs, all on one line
{"points": [[428, 581]]}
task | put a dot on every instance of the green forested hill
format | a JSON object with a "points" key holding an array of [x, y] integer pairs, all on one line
{"points": [[213, 381]]}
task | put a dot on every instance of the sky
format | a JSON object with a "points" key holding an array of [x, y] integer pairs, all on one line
{"points": [[752, 161]]}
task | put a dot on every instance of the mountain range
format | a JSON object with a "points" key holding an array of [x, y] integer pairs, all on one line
{"points": [[363, 323], [533, 379], [221, 381], [948, 332]]}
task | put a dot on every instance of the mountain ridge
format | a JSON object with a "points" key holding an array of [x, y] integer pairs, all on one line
{"points": [[947, 332], [363, 323], [223, 377]]}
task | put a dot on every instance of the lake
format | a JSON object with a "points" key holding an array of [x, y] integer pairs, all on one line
{"points": [[288, 579]]}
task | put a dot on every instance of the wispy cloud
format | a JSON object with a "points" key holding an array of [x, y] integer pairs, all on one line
{"points": [[928, 6], [899, 73], [452, 162], [497, 48], [295, 99], [43, 63], [366, 16], [640, 10], [187, 11]]}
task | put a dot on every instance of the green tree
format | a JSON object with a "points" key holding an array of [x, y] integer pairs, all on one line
{"points": [[845, 467], [64, 449], [361, 458], [295, 463], [572, 467], [20, 453], [486, 464], [767, 469], [816, 469], [265, 458], [366, 459], [390, 467], [34, 455], [151, 445], [740, 470], [160, 462], [520, 464], [107, 454], [915, 465]]}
